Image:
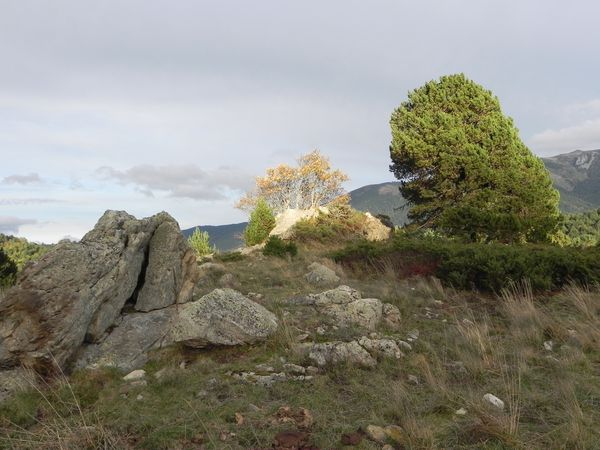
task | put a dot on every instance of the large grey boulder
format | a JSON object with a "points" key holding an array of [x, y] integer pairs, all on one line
{"points": [[171, 272], [222, 317], [77, 291], [128, 345]]}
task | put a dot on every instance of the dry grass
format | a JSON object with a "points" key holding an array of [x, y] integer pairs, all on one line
{"points": [[60, 422], [468, 345]]}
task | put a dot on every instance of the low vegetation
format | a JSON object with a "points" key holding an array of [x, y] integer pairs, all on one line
{"points": [[199, 241], [261, 222], [481, 266]]}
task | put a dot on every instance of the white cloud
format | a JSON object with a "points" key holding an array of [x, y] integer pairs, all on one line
{"points": [[183, 181], [27, 201], [583, 136], [11, 224], [22, 179]]}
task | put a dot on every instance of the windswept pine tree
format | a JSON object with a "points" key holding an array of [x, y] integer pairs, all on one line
{"points": [[463, 167]]}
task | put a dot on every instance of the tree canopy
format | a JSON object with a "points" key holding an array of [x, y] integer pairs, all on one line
{"points": [[463, 167], [311, 184]]}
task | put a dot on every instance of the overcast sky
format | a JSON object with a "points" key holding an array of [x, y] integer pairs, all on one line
{"points": [[176, 105]]}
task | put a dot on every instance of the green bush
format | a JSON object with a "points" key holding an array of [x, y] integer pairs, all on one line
{"points": [[21, 251], [341, 223], [487, 267], [199, 241], [276, 246], [261, 222], [8, 270]]}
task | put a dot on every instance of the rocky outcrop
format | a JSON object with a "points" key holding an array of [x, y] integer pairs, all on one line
{"points": [[285, 221], [320, 275], [345, 307], [375, 229], [129, 343], [363, 352], [222, 317], [77, 292]]}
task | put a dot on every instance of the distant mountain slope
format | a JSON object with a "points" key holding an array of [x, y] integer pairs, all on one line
{"points": [[383, 198], [225, 237], [576, 175]]}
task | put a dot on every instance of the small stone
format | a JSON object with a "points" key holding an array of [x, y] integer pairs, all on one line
{"points": [[494, 401], [321, 331], [139, 397], [376, 433], [395, 433], [468, 322], [252, 407], [549, 345], [264, 368], [387, 447], [404, 345], [139, 383], [461, 412], [413, 335], [135, 375], [294, 368], [412, 379], [302, 337], [201, 393], [239, 419], [312, 370], [182, 365]]}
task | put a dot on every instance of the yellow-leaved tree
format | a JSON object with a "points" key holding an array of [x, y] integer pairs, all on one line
{"points": [[312, 183]]}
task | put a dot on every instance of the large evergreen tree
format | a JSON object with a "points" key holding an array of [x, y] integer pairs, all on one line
{"points": [[463, 167]]}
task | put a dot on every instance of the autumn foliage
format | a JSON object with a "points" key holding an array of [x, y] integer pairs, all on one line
{"points": [[311, 184]]}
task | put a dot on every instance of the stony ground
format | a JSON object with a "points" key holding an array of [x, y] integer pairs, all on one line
{"points": [[440, 369]]}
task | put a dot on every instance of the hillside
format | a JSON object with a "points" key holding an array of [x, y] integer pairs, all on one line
{"points": [[576, 175], [223, 237], [379, 363]]}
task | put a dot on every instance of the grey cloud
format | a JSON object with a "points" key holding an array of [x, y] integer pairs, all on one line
{"points": [[22, 179], [582, 136], [11, 224], [27, 201], [184, 181]]}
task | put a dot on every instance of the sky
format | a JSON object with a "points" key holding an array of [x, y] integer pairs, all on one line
{"points": [[148, 105]]}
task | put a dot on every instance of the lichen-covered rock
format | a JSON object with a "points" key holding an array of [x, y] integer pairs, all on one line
{"points": [[364, 312], [127, 346], [363, 352], [222, 317], [171, 272], [321, 275], [77, 291], [331, 353], [381, 347], [339, 296]]}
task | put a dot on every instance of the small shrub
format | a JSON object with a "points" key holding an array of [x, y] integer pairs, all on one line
{"points": [[276, 246], [261, 222], [229, 257], [8, 270], [487, 267], [200, 242]]}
